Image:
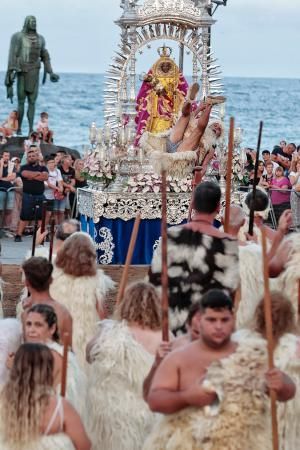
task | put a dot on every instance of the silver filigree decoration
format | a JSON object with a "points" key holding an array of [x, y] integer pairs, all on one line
{"points": [[125, 206], [106, 246]]}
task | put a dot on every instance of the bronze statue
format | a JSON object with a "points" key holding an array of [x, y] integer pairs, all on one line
{"points": [[27, 51]]}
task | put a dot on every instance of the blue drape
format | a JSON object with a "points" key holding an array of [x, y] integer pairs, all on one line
{"points": [[112, 238]]}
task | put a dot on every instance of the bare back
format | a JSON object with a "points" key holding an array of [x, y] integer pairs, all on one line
{"points": [[148, 339]]}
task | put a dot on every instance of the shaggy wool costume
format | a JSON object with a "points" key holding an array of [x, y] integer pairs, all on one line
{"points": [[239, 422], [289, 278], [55, 442], [118, 416], [11, 334], [286, 359], [80, 296], [252, 283], [196, 263]]}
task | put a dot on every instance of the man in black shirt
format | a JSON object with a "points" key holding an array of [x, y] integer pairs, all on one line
{"points": [[283, 156], [33, 176]]}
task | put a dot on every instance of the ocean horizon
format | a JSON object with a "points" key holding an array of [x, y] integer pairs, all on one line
{"points": [[77, 100]]}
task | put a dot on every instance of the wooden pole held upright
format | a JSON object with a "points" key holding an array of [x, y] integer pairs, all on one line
{"points": [[44, 210], [228, 175], [64, 365], [36, 210], [269, 333], [52, 226], [252, 204], [164, 259], [129, 255]]}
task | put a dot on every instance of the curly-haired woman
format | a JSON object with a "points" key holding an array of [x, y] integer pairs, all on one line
{"points": [[32, 417]]}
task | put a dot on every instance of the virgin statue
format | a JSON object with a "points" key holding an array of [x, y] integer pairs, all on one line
{"points": [[161, 95]]}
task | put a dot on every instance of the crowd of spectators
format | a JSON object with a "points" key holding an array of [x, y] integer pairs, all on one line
{"points": [[278, 173], [48, 182]]}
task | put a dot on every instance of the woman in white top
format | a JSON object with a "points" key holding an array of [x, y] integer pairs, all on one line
{"points": [[32, 417], [53, 189], [295, 194]]}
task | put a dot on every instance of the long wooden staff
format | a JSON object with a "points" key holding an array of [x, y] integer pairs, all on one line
{"points": [[64, 365], [228, 175], [130, 251], [269, 332], [36, 210], [252, 204], [52, 225], [44, 210], [164, 259]]}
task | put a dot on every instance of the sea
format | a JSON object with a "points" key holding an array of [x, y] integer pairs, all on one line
{"points": [[77, 100]]}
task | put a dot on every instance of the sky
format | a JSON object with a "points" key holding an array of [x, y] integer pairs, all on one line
{"points": [[252, 38]]}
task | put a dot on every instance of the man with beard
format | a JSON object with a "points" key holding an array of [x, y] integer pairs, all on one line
{"points": [[213, 391], [27, 51], [33, 176]]}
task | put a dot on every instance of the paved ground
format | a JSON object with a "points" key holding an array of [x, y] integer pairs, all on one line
{"points": [[14, 252]]}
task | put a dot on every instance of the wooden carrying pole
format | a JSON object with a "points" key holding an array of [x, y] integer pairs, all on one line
{"points": [[228, 175], [52, 225], [164, 259], [269, 333], [130, 251], [35, 229], [64, 365], [252, 204], [44, 210]]}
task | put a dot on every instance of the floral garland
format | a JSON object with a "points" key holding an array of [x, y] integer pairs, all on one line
{"points": [[97, 170], [145, 183]]}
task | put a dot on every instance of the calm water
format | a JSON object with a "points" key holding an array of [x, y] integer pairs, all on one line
{"points": [[77, 100]]}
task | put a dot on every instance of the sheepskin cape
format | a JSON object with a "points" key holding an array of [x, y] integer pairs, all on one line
{"points": [[53, 442], [252, 283], [80, 296], [241, 419], [119, 418], [197, 262], [288, 280], [286, 358], [11, 334]]}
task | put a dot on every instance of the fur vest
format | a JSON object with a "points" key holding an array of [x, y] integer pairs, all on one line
{"points": [[119, 418]]}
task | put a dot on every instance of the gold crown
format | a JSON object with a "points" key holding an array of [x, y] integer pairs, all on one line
{"points": [[164, 51]]}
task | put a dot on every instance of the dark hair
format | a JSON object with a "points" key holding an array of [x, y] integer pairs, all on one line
{"points": [[266, 152], [38, 271], [66, 228], [44, 114], [215, 299], [192, 311], [50, 316], [261, 200], [17, 113], [207, 197], [50, 157], [34, 135]]}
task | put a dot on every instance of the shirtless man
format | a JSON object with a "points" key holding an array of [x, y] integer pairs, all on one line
{"points": [[38, 271], [177, 382]]}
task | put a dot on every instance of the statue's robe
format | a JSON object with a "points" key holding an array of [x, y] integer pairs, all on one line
{"points": [[119, 418]]}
